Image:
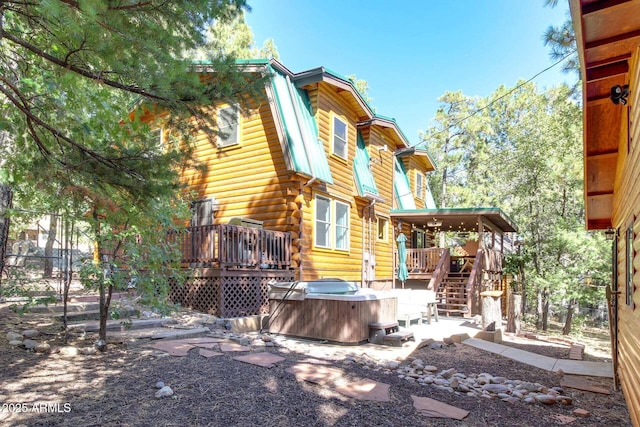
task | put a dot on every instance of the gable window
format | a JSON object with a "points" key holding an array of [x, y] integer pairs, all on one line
{"points": [[202, 212], [383, 228], [420, 187], [331, 224], [340, 138], [228, 126]]}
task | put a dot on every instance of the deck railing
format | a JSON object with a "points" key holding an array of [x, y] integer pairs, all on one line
{"points": [[423, 260], [232, 246]]}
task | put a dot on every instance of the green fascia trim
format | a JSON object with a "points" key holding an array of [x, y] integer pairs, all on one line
{"points": [[365, 182]]}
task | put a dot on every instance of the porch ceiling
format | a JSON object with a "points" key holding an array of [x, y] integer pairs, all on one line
{"points": [[458, 219], [607, 34]]}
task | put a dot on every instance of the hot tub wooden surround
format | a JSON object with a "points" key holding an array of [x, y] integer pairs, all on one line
{"points": [[342, 320]]}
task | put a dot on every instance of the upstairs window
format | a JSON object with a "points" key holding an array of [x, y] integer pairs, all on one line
{"points": [[420, 187], [228, 126], [340, 138], [342, 226], [331, 224]]}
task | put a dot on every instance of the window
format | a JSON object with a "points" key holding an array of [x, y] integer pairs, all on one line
{"points": [[383, 228], [340, 132], [202, 212], [419, 185], [342, 226], [228, 126], [332, 224], [418, 239], [323, 222], [629, 259]]}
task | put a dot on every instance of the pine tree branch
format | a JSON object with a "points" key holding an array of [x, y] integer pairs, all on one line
{"points": [[23, 105], [95, 76]]}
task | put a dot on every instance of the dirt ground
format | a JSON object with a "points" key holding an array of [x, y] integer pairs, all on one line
{"points": [[117, 389]]}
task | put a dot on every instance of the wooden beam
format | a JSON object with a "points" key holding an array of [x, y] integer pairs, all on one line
{"points": [[600, 5], [606, 71], [612, 39], [608, 61]]}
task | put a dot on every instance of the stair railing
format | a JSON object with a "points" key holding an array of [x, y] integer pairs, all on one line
{"points": [[474, 284], [441, 271]]}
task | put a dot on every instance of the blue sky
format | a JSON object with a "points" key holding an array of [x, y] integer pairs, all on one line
{"points": [[413, 51]]}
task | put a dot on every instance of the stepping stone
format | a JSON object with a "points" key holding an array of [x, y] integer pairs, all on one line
{"points": [[397, 338], [209, 353], [231, 347], [435, 409], [203, 340], [315, 373], [264, 359], [174, 348], [366, 390]]}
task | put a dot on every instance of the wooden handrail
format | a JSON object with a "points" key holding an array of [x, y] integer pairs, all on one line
{"points": [[474, 283], [441, 271]]}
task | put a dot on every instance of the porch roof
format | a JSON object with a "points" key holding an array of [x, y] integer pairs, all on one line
{"points": [[457, 219]]}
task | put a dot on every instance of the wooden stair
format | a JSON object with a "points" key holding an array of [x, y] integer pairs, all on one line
{"points": [[452, 294]]}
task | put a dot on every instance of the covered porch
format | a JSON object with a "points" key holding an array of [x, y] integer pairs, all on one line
{"points": [[457, 275]]}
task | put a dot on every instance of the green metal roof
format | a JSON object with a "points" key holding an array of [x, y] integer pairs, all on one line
{"points": [[363, 177], [404, 196], [300, 129]]}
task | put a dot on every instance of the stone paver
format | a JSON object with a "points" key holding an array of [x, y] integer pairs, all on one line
{"points": [[366, 389], [317, 374], [435, 409], [209, 353], [231, 347], [264, 359]]}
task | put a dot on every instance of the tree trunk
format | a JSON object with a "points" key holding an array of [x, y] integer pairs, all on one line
{"points": [[6, 198], [545, 310], [538, 308], [514, 313], [48, 248], [567, 324]]}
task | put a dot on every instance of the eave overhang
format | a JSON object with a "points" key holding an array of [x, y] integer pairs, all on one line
{"points": [[607, 33]]}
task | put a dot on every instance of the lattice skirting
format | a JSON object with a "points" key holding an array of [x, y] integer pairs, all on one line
{"points": [[227, 293]]}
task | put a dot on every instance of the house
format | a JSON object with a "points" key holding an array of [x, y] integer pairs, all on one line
{"points": [[608, 42], [310, 183]]}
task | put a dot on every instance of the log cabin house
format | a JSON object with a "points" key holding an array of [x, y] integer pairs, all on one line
{"points": [[310, 183], [608, 44]]}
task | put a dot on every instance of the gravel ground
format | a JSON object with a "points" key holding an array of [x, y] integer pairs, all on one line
{"points": [[117, 389]]}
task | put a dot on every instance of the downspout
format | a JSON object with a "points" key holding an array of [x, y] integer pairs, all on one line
{"points": [[367, 240]]}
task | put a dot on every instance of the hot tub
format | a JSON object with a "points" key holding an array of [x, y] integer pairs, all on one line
{"points": [[330, 309]]}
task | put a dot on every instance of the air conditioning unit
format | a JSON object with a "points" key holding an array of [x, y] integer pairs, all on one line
{"points": [[245, 222]]}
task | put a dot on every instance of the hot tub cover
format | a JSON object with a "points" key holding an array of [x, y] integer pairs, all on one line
{"points": [[297, 290]]}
